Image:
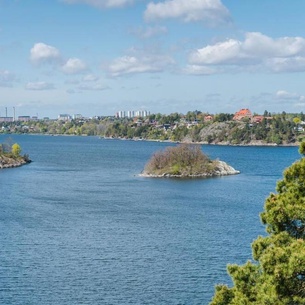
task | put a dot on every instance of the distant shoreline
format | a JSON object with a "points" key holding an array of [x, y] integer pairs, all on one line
{"points": [[251, 144]]}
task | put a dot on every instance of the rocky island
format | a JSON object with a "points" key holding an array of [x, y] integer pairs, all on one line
{"points": [[185, 161], [10, 156]]}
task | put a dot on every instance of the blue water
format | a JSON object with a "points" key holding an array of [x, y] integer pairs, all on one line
{"points": [[78, 226]]}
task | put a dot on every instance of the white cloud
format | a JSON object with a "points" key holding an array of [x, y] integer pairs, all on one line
{"points": [[139, 64], [42, 53], [101, 3], [285, 95], [199, 70], [261, 45], [212, 12], [294, 64], [39, 86], [223, 52], [285, 54], [6, 78], [74, 66]]}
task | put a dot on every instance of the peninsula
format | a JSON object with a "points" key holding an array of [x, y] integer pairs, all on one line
{"points": [[185, 161], [10, 156]]}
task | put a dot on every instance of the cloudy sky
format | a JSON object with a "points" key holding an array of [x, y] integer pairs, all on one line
{"points": [[96, 57]]}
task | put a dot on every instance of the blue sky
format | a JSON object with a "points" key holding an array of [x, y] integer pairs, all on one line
{"points": [[97, 57]]}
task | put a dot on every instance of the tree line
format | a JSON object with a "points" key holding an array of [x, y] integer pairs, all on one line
{"points": [[283, 128]]}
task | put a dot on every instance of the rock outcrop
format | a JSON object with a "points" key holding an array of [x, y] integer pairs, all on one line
{"points": [[9, 162], [224, 169]]}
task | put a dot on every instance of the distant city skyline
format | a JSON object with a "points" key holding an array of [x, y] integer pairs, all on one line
{"points": [[12, 114], [96, 57]]}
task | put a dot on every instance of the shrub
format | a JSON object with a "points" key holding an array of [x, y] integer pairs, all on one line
{"points": [[180, 160]]}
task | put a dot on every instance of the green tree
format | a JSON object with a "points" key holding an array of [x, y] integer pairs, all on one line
{"points": [[277, 274], [16, 150]]}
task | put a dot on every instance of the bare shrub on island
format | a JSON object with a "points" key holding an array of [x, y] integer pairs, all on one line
{"points": [[182, 160]]}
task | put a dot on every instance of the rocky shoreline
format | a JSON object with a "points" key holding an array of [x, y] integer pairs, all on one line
{"points": [[8, 162], [252, 143]]}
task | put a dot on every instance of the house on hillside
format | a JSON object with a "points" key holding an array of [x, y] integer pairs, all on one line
{"points": [[257, 118], [208, 118], [242, 114]]}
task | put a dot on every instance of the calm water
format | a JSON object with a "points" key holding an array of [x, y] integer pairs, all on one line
{"points": [[78, 226]]}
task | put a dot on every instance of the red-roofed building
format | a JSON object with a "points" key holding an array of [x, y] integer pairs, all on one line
{"points": [[257, 118], [241, 114], [208, 118]]}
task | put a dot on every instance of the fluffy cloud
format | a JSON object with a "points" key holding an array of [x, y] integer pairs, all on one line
{"points": [[212, 12], [74, 66], [42, 53], [294, 64], [141, 64], [285, 54], [101, 3], [228, 52], [288, 99], [6, 78], [39, 86]]}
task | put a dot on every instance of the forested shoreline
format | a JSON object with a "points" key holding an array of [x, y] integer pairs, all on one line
{"points": [[271, 129]]}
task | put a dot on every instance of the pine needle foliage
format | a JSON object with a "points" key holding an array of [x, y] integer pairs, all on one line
{"points": [[276, 276]]}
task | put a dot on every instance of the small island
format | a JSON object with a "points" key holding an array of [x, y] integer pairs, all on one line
{"points": [[10, 156], [185, 161]]}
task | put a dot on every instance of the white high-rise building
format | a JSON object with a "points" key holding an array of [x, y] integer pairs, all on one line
{"points": [[130, 114], [121, 114]]}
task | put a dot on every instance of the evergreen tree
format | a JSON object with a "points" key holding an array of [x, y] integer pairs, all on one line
{"points": [[277, 274]]}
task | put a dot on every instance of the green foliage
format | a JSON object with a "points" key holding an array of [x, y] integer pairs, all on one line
{"points": [[277, 128], [16, 150], [302, 148], [278, 274], [179, 133], [223, 117]]}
